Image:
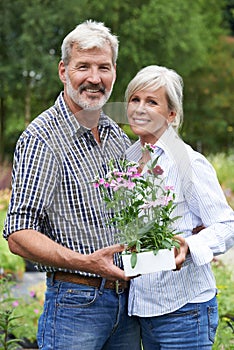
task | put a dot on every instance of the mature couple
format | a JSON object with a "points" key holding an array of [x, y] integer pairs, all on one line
{"points": [[56, 217]]}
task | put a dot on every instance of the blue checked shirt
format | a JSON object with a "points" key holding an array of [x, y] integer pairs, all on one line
{"points": [[56, 159], [200, 200]]}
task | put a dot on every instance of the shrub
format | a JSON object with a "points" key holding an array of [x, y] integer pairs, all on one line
{"points": [[224, 166], [225, 333], [9, 263]]}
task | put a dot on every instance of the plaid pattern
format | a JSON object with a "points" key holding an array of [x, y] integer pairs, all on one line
{"points": [[56, 159]]}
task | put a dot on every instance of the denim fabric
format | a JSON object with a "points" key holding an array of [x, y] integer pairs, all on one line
{"points": [[192, 327], [79, 317]]}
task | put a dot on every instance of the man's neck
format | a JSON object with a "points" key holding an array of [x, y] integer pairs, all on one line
{"points": [[88, 119]]}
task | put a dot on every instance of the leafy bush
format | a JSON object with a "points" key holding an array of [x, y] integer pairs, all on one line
{"points": [[225, 333], [29, 308], [224, 166], [19, 316], [8, 318], [9, 263]]}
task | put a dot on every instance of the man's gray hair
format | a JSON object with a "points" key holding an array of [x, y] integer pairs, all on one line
{"points": [[88, 35]]}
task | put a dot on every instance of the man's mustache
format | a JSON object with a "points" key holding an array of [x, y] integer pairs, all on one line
{"points": [[98, 87]]}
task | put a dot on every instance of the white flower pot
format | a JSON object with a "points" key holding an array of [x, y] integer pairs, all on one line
{"points": [[147, 262]]}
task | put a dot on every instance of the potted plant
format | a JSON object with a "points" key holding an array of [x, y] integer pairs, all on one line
{"points": [[142, 209]]}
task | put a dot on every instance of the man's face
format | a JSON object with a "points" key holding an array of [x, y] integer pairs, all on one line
{"points": [[89, 77]]}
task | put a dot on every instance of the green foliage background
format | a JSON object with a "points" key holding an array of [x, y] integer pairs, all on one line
{"points": [[193, 37]]}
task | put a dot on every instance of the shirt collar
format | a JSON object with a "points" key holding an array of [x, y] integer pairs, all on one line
{"points": [[166, 144]]}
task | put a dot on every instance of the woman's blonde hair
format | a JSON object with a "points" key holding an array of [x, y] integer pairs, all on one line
{"points": [[154, 77]]}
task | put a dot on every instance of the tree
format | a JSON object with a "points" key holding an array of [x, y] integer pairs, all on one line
{"points": [[209, 124], [31, 36], [178, 34]]}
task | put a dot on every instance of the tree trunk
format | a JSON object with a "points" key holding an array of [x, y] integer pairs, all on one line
{"points": [[2, 125], [27, 117]]}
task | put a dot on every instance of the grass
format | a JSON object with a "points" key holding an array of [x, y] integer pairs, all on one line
{"points": [[225, 334]]}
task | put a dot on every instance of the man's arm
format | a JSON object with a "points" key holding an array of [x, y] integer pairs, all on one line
{"points": [[34, 246]]}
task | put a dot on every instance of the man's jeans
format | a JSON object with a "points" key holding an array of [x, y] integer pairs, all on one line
{"points": [[192, 327], [79, 317]]}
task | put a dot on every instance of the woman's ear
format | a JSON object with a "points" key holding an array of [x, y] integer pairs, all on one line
{"points": [[62, 72], [171, 116]]}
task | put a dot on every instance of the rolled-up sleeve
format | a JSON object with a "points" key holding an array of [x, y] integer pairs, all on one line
{"points": [[34, 178]]}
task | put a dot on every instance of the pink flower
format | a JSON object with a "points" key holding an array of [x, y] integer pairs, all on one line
{"points": [[115, 185], [130, 185], [15, 303], [149, 147], [169, 188], [132, 170], [99, 182], [158, 170], [166, 200], [36, 311], [32, 294], [118, 173]]}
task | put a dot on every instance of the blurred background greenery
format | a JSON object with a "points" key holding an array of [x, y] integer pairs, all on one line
{"points": [[193, 37], [196, 38]]}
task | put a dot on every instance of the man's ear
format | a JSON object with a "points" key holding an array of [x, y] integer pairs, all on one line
{"points": [[62, 71], [114, 73]]}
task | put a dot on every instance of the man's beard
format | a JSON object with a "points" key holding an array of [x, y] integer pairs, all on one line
{"points": [[89, 104]]}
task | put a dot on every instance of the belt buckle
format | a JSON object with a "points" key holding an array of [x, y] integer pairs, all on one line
{"points": [[118, 287]]}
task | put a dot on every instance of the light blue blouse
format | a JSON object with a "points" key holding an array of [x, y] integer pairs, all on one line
{"points": [[200, 200]]}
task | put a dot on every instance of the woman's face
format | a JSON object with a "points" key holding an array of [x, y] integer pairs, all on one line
{"points": [[148, 114]]}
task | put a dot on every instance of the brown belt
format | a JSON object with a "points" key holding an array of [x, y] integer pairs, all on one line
{"points": [[88, 281]]}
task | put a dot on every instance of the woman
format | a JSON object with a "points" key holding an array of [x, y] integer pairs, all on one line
{"points": [[177, 309]]}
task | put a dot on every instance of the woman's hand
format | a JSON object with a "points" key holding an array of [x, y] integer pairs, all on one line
{"points": [[181, 252]]}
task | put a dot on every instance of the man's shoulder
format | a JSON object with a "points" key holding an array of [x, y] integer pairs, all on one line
{"points": [[44, 120], [45, 125]]}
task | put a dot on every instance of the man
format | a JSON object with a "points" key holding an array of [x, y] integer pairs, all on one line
{"points": [[57, 218]]}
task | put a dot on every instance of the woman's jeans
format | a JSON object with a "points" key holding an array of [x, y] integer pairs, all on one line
{"points": [[192, 327], [80, 317]]}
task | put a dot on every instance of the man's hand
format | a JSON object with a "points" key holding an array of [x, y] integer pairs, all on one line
{"points": [[181, 252], [101, 262]]}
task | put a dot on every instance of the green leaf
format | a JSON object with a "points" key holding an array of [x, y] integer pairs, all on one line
{"points": [[133, 259], [138, 246]]}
